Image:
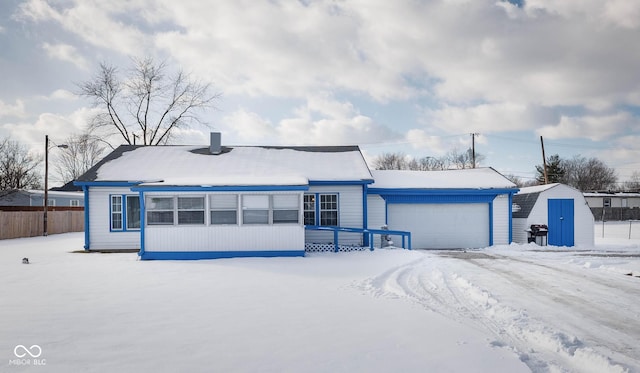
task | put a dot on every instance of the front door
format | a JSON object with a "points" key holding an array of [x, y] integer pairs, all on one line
{"points": [[561, 232]]}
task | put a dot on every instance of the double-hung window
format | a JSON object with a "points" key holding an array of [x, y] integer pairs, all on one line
{"points": [[255, 209], [285, 208], [116, 213], [190, 210], [159, 210], [223, 209], [328, 209]]}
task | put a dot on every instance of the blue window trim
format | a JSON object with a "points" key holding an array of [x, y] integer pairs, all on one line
{"points": [[317, 212], [124, 214], [197, 255]]}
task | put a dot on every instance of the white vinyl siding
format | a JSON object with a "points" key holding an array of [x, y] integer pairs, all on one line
{"points": [[501, 214], [350, 201], [376, 211], [101, 236]]}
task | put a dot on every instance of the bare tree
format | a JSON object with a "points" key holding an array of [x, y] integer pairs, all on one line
{"points": [[427, 164], [82, 152], [147, 105], [463, 160], [633, 184], [588, 174], [18, 168], [390, 161], [400, 161]]}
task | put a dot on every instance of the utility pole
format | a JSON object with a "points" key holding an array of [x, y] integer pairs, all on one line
{"points": [[46, 183], [544, 162]]}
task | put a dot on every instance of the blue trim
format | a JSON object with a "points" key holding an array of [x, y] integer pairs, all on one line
{"points": [[509, 214], [196, 255], [365, 220], [143, 214], [87, 235], [106, 183], [341, 182], [491, 223], [433, 199], [237, 188], [438, 192]]}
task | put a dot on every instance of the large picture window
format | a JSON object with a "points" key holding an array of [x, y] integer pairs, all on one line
{"points": [[328, 209], [159, 210], [224, 209]]}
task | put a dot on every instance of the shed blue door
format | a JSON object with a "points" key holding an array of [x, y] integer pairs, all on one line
{"points": [[561, 232]]}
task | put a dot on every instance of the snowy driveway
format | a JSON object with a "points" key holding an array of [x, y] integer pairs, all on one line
{"points": [[503, 309], [558, 310]]}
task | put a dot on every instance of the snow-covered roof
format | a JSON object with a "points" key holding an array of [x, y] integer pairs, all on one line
{"points": [[476, 178], [236, 165], [537, 188]]}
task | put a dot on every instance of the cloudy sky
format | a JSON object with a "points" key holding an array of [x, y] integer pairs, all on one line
{"points": [[412, 76]]}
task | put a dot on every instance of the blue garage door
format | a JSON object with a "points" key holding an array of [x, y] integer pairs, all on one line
{"points": [[561, 231]]}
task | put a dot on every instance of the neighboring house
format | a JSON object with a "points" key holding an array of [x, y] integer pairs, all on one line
{"points": [[451, 209], [560, 207], [22, 197], [194, 202], [614, 205]]}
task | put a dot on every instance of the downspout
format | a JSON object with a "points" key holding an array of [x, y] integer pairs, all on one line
{"points": [[491, 223], [87, 235], [142, 224], [365, 222]]}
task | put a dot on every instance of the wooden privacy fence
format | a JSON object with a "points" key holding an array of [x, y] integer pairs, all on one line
{"points": [[29, 221]]}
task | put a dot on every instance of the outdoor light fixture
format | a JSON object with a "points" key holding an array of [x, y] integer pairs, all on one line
{"points": [[46, 179]]}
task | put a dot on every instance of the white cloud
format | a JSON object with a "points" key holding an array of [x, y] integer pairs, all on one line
{"points": [[592, 127], [57, 126], [65, 52], [504, 116], [16, 110], [94, 21], [321, 121], [63, 94], [429, 144]]}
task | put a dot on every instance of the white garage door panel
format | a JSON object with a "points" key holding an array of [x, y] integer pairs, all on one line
{"points": [[442, 226]]}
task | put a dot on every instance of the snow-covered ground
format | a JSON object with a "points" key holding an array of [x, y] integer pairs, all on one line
{"points": [[514, 308]]}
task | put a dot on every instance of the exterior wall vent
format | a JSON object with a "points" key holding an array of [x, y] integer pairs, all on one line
{"points": [[215, 146]]}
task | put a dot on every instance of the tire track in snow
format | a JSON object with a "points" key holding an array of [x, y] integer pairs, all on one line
{"points": [[541, 348]]}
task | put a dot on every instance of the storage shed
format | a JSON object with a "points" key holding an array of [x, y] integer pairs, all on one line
{"points": [[560, 207]]}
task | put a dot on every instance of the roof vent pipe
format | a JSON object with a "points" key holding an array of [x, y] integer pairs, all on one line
{"points": [[215, 146]]}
